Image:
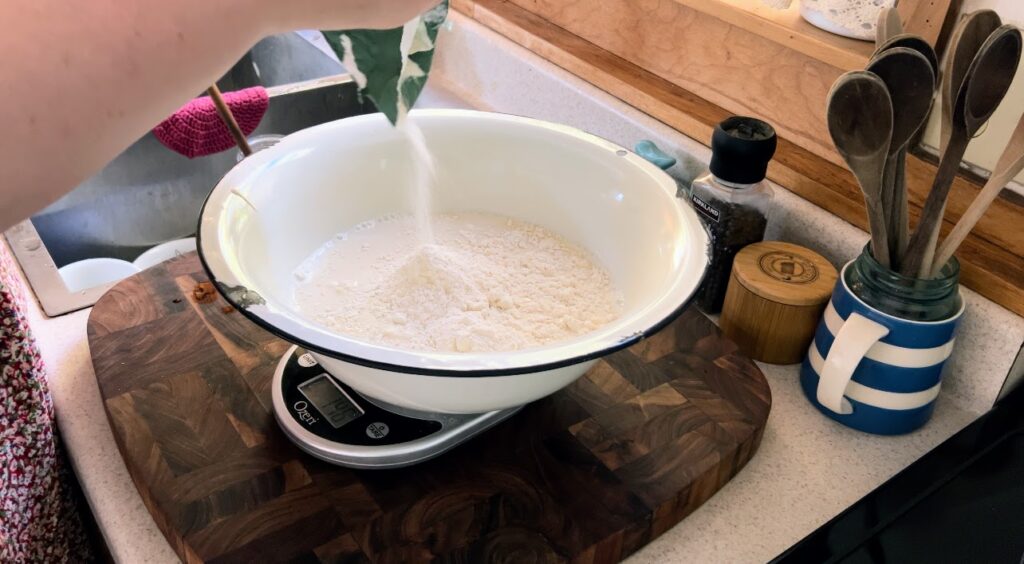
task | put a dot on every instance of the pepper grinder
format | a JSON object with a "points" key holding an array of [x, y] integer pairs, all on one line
{"points": [[733, 198]]}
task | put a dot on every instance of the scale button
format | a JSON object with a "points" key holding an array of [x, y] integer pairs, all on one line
{"points": [[307, 360], [377, 430]]}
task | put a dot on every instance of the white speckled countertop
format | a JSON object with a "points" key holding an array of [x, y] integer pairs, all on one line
{"points": [[808, 468]]}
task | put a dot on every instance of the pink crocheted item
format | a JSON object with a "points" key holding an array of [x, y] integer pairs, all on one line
{"points": [[196, 129]]}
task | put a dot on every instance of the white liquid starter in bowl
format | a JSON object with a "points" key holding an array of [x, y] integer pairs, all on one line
{"points": [[486, 283]]}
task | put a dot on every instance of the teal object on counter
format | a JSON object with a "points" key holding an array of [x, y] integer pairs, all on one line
{"points": [[375, 59], [650, 152]]}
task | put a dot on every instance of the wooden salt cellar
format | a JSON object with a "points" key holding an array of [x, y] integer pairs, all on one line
{"points": [[777, 292]]}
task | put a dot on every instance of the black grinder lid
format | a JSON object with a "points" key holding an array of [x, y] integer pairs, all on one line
{"points": [[741, 148]]}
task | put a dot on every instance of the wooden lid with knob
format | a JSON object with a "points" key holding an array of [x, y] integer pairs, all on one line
{"points": [[776, 294]]}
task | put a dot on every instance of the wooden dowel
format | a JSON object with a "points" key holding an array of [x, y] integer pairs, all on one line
{"points": [[229, 120]]}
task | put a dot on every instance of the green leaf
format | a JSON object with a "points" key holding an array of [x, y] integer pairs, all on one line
{"points": [[377, 57]]}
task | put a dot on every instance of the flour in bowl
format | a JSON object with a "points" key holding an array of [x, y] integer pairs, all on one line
{"points": [[487, 283]]}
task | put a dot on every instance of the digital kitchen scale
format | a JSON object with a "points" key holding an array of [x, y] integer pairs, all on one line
{"points": [[333, 422]]}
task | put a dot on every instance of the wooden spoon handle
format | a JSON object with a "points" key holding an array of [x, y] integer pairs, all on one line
{"points": [[901, 221], [917, 260], [879, 238], [889, 205], [1011, 162], [928, 257], [889, 25], [229, 119]]}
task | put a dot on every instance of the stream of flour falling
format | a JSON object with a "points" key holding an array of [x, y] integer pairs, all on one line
{"points": [[415, 40], [424, 177]]}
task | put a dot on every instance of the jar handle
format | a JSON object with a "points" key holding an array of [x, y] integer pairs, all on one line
{"points": [[855, 337]]}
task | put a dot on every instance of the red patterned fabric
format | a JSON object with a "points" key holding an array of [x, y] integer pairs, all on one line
{"points": [[38, 518]]}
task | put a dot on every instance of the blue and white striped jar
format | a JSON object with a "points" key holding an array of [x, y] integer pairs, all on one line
{"points": [[873, 371]]}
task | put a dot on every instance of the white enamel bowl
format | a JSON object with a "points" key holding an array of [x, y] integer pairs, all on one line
{"points": [[279, 205], [87, 273]]}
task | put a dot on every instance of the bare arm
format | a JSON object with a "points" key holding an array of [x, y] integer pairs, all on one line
{"points": [[80, 81]]}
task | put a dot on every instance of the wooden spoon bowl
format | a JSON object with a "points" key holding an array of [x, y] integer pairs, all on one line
{"points": [[910, 79], [910, 41], [990, 76], [968, 37], [860, 122]]}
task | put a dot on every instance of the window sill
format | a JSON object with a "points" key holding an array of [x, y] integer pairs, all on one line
{"points": [[787, 28]]}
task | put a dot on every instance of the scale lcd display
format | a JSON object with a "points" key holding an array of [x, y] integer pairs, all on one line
{"points": [[330, 400]]}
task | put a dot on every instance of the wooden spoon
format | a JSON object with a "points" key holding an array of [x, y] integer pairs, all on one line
{"points": [[889, 25], [860, 122], [963, 46], [896, 180], [986, 82], [910, 41], [1009, 166], [909, 77]]}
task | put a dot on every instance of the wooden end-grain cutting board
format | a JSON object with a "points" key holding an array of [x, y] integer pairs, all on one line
{"points": [[589, 474]]}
